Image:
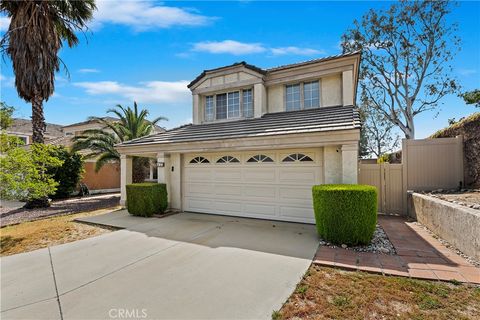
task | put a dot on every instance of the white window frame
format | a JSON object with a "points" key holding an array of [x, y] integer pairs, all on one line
{"points": [[240, 105], [210, 117], [311, 91], [230, 104], [302, 93], [300, 90], [243, 105]]}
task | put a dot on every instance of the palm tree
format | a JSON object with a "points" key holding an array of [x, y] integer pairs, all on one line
{"points": [[101, 142], [35, 36]]}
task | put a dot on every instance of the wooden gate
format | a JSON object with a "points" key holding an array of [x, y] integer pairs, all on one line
{"points": [[388, 179]]}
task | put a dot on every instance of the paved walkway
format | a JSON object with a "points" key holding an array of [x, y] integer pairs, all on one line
{"points": [[185, 266], [419, 255]]}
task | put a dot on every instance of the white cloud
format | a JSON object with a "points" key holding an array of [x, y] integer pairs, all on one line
{"points": [[7, 82], [151, 92], [467, 72], [296, 51], [4, 23], [242, 48], [228, 46], [143, 15], [87, 70]]}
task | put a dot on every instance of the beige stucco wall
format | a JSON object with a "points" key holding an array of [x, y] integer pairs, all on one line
{"points": [[348, 88], [332, 164], [275, 99], [224, 79], [331, 90], [337, 85], [175, 181]]}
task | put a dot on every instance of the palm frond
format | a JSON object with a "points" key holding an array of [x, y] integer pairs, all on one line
{"points": [[104, 159]]}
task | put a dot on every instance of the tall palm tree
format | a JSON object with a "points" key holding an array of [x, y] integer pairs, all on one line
{"points": [[35, 36], [100, 143]]}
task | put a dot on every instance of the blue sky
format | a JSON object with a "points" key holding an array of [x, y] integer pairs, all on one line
{"points": [[148, 52]]}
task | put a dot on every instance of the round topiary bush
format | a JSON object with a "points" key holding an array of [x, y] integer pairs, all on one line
{"points": [[345, 214], [146, 199]]}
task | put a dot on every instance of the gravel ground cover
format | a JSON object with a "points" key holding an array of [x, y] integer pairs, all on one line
{"points": [[464, 197], [9, 215], [379, 244]]}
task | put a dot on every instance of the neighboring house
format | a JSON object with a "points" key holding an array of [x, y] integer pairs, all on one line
{"points": [[260, 139], [105, 180], [22, 128]]}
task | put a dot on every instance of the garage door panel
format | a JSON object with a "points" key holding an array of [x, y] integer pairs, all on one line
{"points": [[297, 175], [228, 190], [299, 193], [298, 213], [199, 189], [227, 174], [259, 175], [256, 191], [260, 209], [228, 207], [278, 190], [199, 205], [199, 174]]}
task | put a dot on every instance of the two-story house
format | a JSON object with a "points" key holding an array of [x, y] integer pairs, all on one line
{"points": [[260, 139]]}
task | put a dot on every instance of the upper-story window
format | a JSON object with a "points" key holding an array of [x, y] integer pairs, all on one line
{"points": [[247, 103], [209, 108], [229, 105], [222, 106], [305, 95], [233, 104], [311, 95], [293, 97]]}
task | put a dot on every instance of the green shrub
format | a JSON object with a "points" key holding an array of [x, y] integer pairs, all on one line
{"points": [[24, 175], [69, 174], [146, 199], [345, 214]]}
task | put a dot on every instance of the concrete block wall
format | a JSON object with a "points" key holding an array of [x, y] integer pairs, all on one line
{"points": [[458, 225]]}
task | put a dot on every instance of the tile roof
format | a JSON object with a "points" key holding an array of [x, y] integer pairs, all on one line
{"points": [[241, 63], [24, 126], [307, 62], [278, 68], [109, 119], [290, 122]]}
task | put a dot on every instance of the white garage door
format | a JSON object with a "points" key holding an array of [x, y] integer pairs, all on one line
{"points": [[263, 184]]}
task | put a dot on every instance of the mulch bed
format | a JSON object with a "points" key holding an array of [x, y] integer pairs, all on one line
{"points": [[58, 208]]}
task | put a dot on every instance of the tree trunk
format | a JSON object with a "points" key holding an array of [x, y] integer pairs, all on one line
{"points": [[38, 120], [410, 128]]}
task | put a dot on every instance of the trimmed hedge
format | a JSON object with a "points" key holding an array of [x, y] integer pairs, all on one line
{"points": [[146, 199], [345, 214]]}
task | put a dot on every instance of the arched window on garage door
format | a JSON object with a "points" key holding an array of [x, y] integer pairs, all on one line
{"points": [[199, 160], [297, 157], [260, 158], [228, 159]]}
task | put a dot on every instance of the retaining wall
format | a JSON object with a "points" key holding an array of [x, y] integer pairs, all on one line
{"points": [[457, 224]]}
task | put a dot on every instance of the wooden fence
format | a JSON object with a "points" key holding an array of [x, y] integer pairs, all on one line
{"points": [[427, 164]]}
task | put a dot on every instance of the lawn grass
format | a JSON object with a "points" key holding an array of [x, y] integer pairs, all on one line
{"points": [[39, 234], [326, 293]]}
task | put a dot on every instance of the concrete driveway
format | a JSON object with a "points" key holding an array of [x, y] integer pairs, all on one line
{"points": [[186, 266]]}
